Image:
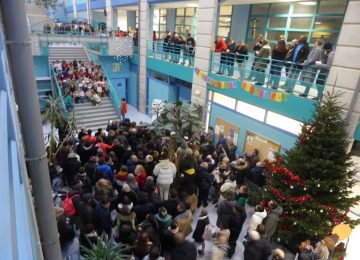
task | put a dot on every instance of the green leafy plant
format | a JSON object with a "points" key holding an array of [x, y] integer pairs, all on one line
{"points": [[103, 249], [46, 3]]}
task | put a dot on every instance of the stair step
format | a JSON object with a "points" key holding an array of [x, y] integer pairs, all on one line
{"points": [[93, 109]]}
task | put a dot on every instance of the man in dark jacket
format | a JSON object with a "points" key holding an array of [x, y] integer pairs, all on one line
{"points": [[241, 53], [272, 219], [183, 249], [189, 51], [237, 220], [70, 167], [230, 57], [104, 222], [297, 58], [171, 204], [204, 180]]}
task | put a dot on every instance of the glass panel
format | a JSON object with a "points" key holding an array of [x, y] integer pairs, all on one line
{"points": [[225, 10], [163, 28], [250, 110], [274, 35], [180, 20], [332, 6], [296, 35], [162, 35], [260, 9], [253, 33], [283, 122], [276, 22], [280, 8], [302, 22], [155, 27], [223, 31], [224, 100], [225, 21], [163, 20], [305, 7], [156, 12], [162, 12], [189, 20], [190, 11], [188, 29], [258, 22], [180, 11], [326, 36], [328, 23], [179, 29]]}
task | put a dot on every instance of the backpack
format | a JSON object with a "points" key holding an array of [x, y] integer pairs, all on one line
{"points": [[208, 232], [69, 208]]}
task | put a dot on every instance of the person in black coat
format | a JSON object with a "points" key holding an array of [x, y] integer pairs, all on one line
{"points": [[149, 165], [204, 180], [183, 249], [144, 207], [87, 238], [237, 220], [172, 203], [230, 57], [70, 167], [241, 52], [90, 167], [257, 250], [85, 150], [86, 210], [199, 230], [187, 169]]}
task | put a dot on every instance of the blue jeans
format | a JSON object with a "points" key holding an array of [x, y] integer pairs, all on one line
{"points": [[275, 73]]}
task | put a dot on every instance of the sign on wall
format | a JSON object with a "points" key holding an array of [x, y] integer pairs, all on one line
{"points": [[228, 129], [116, 67]]}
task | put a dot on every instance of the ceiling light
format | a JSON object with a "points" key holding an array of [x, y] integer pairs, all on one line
{"points": [[192, 5], [318, 23], [308, 3]]}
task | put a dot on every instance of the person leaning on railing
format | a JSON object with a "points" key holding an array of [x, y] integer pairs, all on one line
{"points": [[221, 47], [241, 53], [309, 71], [277, 61], [291, 49], [261, 62], [230, 56], [189, 52], [257, 48]]}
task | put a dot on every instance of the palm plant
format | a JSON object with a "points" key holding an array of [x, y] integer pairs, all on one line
{"points": [[57, 116], [103, 249]]}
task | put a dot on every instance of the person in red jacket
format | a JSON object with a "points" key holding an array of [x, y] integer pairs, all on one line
{"points": [[105, 147], [123, 109], [221, 47], [140, 175]]}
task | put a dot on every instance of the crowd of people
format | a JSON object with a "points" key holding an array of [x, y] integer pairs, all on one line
{"points": [[310, 66], [80, 82], [155, 195]]}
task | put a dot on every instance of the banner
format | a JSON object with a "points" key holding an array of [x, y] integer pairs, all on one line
{"points": [[263, 93], [213, 82]]}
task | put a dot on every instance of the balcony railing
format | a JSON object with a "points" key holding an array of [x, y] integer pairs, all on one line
{"points": [[305, 80], [176, 53]]}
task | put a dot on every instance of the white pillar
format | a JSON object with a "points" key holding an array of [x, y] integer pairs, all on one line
{"points": [[143, 36], [205, 35], [88, 11], [344, 74], [74, 9], [109, 16]]}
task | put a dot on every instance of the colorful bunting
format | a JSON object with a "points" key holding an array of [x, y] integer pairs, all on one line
{"points": [[214, 83]]}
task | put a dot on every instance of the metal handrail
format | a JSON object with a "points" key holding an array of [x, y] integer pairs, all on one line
{"points": [[59, 92]]}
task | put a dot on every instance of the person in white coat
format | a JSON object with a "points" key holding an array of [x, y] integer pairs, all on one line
{"points": [[257, 218], [165, 172]]}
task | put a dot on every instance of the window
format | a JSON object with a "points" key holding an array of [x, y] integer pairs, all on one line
{"points": [[317, 18], [159, 23], [250, 110], [224, 21], [224, 100], [137, 19], [159, 76], [185, 21], [285, 123]]}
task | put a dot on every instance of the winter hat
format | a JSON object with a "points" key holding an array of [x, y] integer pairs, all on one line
{"points": [[131, 177], [149, 158], [149, 180], [125, 188]]}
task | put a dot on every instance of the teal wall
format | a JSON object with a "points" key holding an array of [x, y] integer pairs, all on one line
{"points": [[131, 19], [239, 21], [357, 133], [245, 123], [41, 66], [161, 90], [82, 15], [295, 107], [117, 79], [184, 94], [132, 94], [171, 69], [170, 19]]}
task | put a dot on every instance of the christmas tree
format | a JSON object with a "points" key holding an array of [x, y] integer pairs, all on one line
{"points": [[313, 182]]}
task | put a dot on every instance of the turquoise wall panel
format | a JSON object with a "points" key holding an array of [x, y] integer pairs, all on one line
{"points": [[131, 19], [161, 90], [170, 19], [132, 93], [184, 94], [296, 108], [239, 20], [41, 66], [245, 123], [82, 15], [171, 69], [357, 133]]}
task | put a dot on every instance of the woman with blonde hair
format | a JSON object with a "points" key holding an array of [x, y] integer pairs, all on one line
{"points": [[140, 175], [321, 250]]}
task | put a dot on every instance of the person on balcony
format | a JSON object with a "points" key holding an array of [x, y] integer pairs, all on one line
{"points": [[261, 62], [324, 66], [221, 47], [300, 54], [230, 57], [166, 45], [257, 48], [179, 44], [171, 46], [309, 72], [154, 40], [291, 49], [277, 61], [189, 51], [241, 52]]}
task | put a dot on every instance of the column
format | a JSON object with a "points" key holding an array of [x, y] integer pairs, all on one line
{"points": [[109, 16], [74, 9], [88, 10], [205, 35], [143, 34], [344, 74]]}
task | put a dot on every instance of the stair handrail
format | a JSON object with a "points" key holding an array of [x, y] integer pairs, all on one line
{"points": [[113, 95], [59, 92]]}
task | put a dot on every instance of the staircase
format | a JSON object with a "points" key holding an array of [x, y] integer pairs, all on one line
{"points": [[68, 52], [91, 117], [37, 16]]}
